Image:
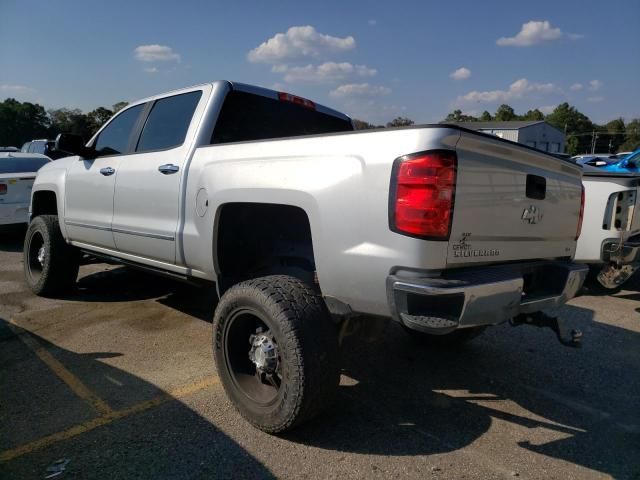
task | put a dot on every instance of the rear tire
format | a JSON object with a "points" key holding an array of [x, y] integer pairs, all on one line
{"points": [[276, 351], [455, 339], [50, 264]]}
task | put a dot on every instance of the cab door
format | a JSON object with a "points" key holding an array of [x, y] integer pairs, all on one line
{"points": [[91, 182], [147, 189]]}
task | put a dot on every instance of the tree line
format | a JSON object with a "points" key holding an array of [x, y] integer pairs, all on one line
{"points": [[615, 136], [24, 121]]}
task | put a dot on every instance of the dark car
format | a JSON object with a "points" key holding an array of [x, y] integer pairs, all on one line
{"points": [[44, 147]]}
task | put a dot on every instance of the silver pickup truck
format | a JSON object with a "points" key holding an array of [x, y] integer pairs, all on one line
{"points": [[304, 224]]}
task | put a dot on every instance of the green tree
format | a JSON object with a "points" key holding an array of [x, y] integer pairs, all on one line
{"points": [[614, 136], [533, 115], [98, 117], [21, 122], [632, 136], [400, 122], [116, 107], [576, 125], [64, 120], [505, 113], [458, 116], [362, 125], [486, 116]]}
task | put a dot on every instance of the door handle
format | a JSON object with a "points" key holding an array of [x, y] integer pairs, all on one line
{"points": [[168, 168], [106, 171]]}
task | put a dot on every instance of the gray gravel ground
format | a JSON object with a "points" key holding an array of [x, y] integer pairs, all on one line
{"points": [[514, 403]]}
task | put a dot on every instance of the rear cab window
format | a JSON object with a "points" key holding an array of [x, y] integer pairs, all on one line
{"points": [[247, 116], [168, 122]]}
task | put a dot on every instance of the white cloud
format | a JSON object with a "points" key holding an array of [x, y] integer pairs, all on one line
{"points": [[297, 42], [517, 89], [595, 85], [532, 33], [9, 89], [373, 22], [576, 87], [151, 70], [359, 90], [156, 53], [328, 72], [575, 36], [547, 109], [595, 99], [461, 73]]}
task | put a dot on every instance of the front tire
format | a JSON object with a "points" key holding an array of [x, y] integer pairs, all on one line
{"points": [[50, 264], [276, 351]]}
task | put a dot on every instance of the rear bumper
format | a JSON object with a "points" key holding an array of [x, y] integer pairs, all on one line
{"points": [[14, 213], [481, 296], [625, 254]]}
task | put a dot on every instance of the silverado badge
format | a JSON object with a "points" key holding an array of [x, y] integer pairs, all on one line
{"points": [[532, 214]]}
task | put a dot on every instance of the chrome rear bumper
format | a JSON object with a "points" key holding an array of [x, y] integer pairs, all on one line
{"points": [[481, 296]]}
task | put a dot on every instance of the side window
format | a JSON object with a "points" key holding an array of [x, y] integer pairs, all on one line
{"points": [[114, 138], [168, 122]]}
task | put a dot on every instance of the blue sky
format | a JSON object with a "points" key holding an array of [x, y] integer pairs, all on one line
{"points": [[374, 61]]}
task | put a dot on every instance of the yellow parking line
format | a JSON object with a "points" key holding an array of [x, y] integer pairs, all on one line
{"points": [[76, 385], [107, 418]]}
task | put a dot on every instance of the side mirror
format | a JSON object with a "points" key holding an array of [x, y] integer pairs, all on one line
{"points": [[73, 145]]}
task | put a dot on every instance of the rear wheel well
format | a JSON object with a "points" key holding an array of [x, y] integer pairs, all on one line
{"points": [[258, 239], [44, 202]]}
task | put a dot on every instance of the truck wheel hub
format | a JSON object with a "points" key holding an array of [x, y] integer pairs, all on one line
{"points": [[263, 353], [41, 255]]}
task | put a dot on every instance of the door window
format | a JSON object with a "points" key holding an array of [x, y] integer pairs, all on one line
{"points": [[168, 122], [114, 139]]}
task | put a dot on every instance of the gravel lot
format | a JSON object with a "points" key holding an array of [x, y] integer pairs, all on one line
{"points": [[118, 379]]}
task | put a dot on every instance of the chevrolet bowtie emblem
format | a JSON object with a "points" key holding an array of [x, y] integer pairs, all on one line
{"points": [[532, 214]]}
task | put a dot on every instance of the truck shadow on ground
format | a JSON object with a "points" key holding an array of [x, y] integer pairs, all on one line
{"points": [[400, 398], [168, 440], [403, 399]]}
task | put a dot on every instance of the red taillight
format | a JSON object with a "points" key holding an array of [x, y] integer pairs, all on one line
{"points": [[303, 102], [423, 187], [581, 214], [3, 188]]}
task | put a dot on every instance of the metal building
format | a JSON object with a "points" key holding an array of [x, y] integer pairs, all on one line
{"points": [[537, 133]]}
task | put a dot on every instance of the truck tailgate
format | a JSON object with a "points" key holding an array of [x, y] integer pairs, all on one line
{"points": [[512, 203]]}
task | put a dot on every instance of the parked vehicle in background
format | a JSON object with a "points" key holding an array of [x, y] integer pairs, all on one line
{"points": [[305, 225], [629, 164], [17, 173], [43, 147], [9, 149], [610, 239], [596, 159]]}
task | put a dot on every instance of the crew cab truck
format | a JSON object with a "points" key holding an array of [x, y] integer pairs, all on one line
{"points": [[610, 240], [303, 223]]}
